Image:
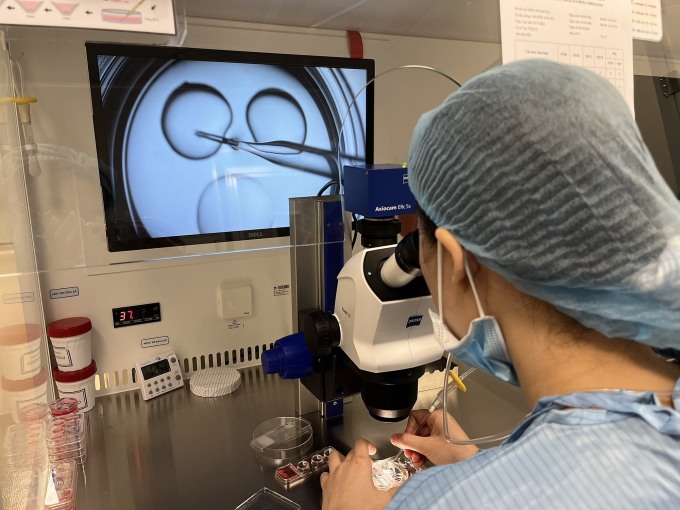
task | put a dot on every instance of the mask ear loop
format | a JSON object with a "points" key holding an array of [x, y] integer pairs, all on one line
{"points": [[449, 360], [440, 297], [472, 284]]}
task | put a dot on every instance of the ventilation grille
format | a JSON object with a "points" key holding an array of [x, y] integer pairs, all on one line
{"points": [[126, 379]]}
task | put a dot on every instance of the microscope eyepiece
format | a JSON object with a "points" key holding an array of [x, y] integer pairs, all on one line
{"points": [[404, 265]]}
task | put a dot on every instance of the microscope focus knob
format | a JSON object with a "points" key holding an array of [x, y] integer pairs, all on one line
{"points": [[322, 332]]}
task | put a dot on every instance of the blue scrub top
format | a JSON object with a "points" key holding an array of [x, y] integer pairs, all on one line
{"points": [[610, 449]]}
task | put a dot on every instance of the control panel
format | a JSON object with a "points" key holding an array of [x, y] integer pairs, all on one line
{"points": [[159, 375]]}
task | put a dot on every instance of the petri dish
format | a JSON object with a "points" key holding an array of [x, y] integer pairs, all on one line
{"points": [[282, 438], [268, 499]]}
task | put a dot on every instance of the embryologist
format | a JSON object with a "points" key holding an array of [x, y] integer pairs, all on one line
{"points": [[557, 244]]}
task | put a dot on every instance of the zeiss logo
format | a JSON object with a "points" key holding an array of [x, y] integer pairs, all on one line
{"points": [[405, 179], [414, 320]]}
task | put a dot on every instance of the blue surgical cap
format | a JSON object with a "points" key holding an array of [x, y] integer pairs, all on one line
{"points": [[539, 170]]}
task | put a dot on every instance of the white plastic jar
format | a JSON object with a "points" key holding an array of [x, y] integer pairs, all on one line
{"points": [[79, 385], [71, 342], [20, 351], [24, 393]]}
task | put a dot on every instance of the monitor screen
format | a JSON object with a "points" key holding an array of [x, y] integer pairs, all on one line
{"points": [[204, 146]]}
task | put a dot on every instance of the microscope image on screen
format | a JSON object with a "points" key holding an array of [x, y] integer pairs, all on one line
{"points": [[210, 147]]}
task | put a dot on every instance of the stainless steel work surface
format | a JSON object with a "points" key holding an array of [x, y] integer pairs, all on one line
{"points": [[180, 451]]}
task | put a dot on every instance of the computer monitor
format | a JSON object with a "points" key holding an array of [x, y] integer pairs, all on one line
{"points": [[200, 146]]}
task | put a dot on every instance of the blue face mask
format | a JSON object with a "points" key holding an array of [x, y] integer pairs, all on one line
{"points": [[484, 346]]}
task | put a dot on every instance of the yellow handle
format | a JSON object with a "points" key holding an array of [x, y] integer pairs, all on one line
{"points": [[459, 383], [24, 100], [18, 100]]}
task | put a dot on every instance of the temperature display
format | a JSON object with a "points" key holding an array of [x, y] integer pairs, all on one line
{"points": [[137, 314]]}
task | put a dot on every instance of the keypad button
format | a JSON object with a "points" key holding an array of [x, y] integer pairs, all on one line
{"points": [[163, 387], [148, 384], [178, 377], [170, 384], [156, 383], [173, 360], [150, 392], [156, 390]]}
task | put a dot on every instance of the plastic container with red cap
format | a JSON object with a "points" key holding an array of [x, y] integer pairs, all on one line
{"points": [[72, 343], [20, 351], [22, 394], [78, 385]]}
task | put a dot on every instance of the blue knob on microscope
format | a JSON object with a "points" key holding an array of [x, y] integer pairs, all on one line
{"points": [[289, 358]]}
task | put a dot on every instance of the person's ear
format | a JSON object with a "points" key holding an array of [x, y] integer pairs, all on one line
{"points": [[453, 249]]}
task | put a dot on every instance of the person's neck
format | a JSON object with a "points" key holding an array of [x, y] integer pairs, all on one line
{"points": [[553, 358], [553, 365]]}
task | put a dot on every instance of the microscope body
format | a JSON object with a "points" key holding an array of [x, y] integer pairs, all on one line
{"points": [[383, 329], [361, 331]]}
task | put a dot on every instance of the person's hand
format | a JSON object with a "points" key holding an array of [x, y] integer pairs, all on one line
{"points": [[349, 482], [430, 443]]}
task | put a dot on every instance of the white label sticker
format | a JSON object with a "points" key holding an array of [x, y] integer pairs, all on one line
{"points": [[282, 290], [63, 356], [30, 362], [20, 297], [66, 292], [153, 342], [235, 324]]}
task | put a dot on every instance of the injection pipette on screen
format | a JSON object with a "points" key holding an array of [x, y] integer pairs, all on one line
{"points": [[290, 154]]}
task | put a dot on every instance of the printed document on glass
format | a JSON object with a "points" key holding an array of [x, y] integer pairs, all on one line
{"points": [[595, 34], [157, 16], [647, 24]]}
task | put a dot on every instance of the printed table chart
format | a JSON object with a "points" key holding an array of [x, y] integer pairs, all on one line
{"points": [[607, 62]]}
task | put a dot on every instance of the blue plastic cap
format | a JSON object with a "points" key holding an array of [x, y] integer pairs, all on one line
{"points": [[272, 361], [289, 358]]}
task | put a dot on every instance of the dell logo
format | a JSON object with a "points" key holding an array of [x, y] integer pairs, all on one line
{"points": [[255, 234], [405, 179], [414, 320]]}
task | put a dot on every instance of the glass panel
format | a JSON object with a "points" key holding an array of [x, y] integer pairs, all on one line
{"points": [[156, 170]]}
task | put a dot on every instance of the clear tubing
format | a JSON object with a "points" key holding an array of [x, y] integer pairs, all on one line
{"points": [[348, 227], [478, 440]]}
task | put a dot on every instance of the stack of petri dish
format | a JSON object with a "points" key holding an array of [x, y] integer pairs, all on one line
{"points": [[64, 406], [42, 455], [66, 438], [25, 445], [61, 486], [25, 453], [36, 411]]}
